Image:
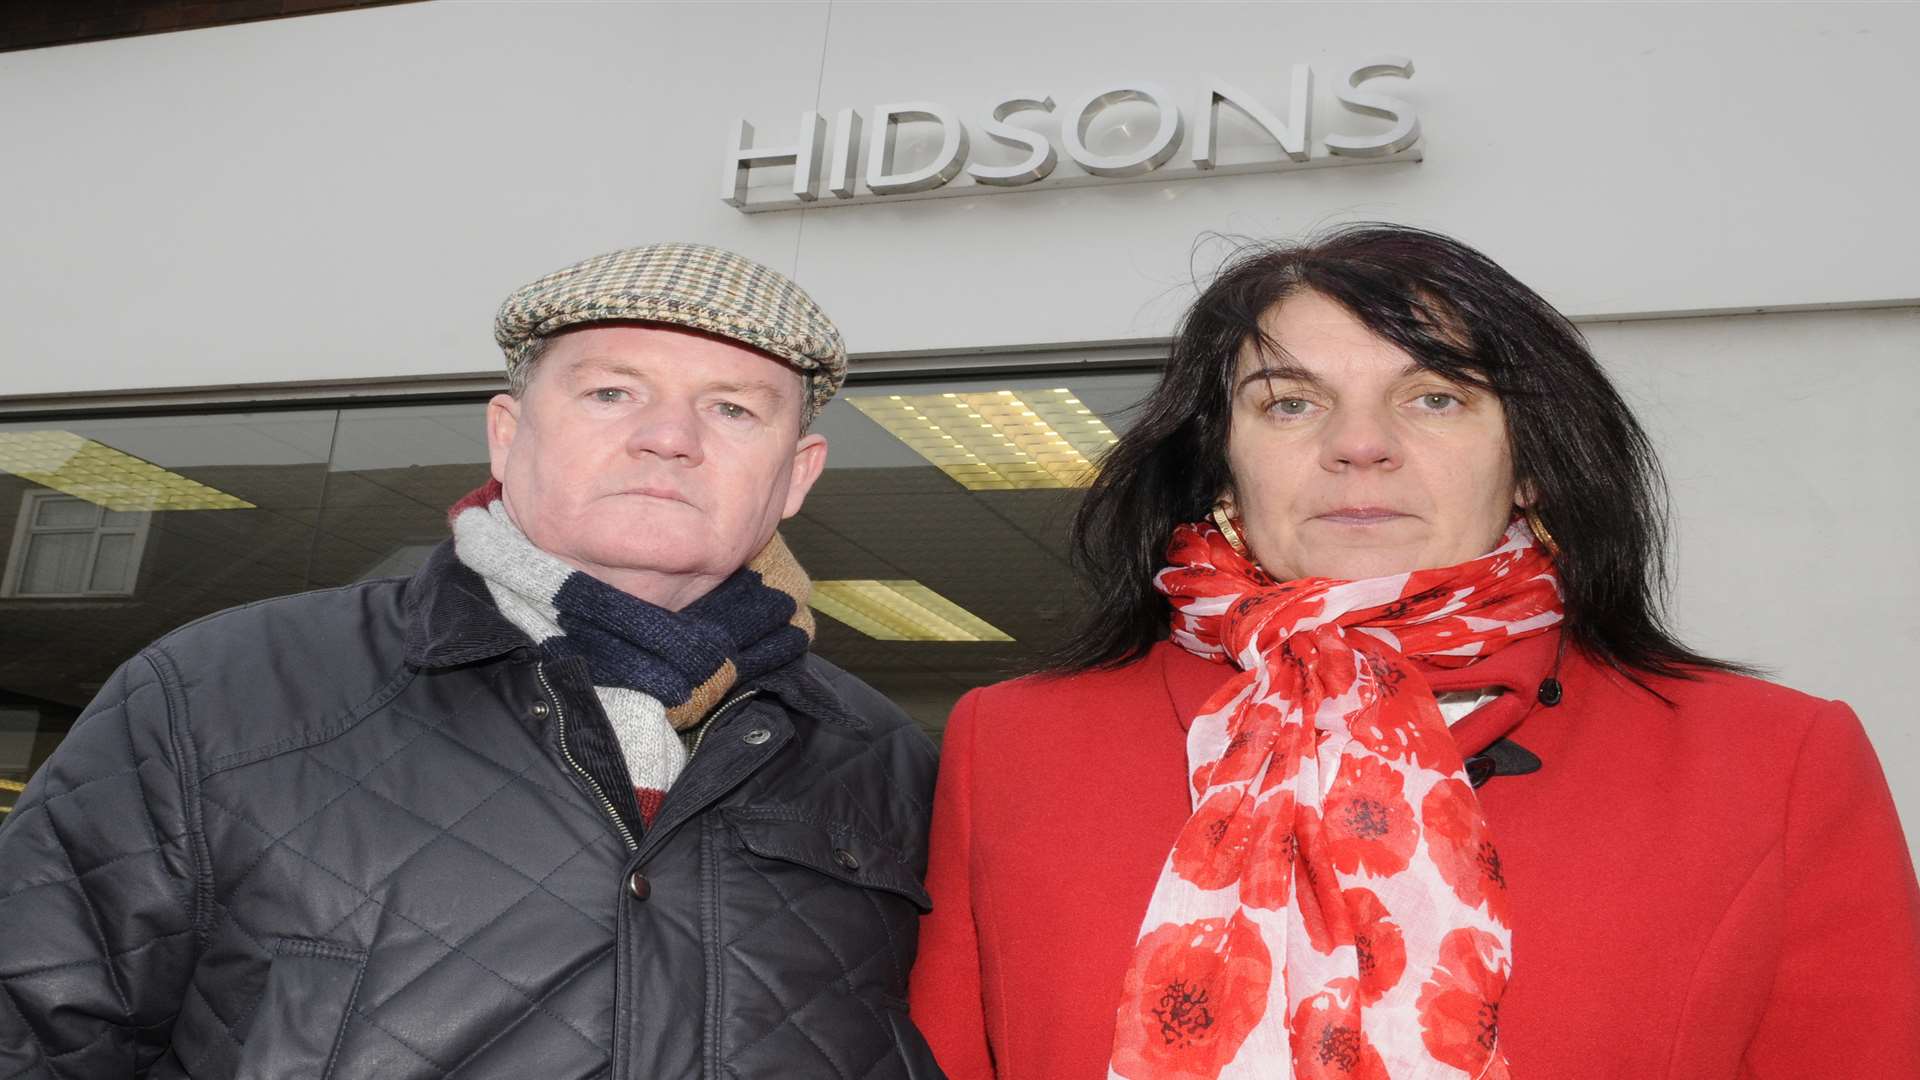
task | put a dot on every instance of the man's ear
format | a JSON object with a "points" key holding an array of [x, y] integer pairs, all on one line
{"points": [[503, 421], [809, 460]]}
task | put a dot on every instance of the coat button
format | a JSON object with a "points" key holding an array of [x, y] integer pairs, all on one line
{"points": [[847, 859], [541, 709], [639, 886], [756, 736], [1550, 692], [1480, 769]]}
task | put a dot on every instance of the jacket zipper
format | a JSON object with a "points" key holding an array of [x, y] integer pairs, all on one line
{"points": [[714, 718], [606, 804]]}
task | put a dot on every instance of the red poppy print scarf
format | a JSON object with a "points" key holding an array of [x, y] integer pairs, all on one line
{"points": [[1335, 901]]}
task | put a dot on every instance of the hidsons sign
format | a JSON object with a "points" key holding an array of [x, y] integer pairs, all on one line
{"points": [[831, 152]]}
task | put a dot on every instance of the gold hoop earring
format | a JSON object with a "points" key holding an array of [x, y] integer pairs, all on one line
{"points": [[1540, 532], [1223, 520]]}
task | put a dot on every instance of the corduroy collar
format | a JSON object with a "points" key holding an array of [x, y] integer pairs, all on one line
{"points": [[450, 618]]}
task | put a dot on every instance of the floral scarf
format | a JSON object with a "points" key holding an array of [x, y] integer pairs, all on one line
{"points": [[1335, 901]]}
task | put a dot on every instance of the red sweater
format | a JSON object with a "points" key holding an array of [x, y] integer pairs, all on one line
{"points": [[1712, 889]]}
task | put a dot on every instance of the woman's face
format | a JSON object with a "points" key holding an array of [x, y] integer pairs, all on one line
{"points": [[1350, 460]]}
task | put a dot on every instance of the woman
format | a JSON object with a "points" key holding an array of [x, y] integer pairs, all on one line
{"points": [[1373, 754]]}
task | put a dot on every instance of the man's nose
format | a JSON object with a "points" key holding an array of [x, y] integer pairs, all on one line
{"points": [[666, 429], [1360, 438]]}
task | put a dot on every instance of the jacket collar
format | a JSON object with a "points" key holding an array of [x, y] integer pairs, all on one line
{"points": [[802, 689], [451, 619], [1517, 670]]}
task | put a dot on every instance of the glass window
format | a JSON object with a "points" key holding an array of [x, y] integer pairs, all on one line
{"points": [[119, 530], [394, 473], [71, 547], [936, 537], [963, 487]]}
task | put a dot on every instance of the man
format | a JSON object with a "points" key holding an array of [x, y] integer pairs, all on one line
{"points": [[573, 801]]}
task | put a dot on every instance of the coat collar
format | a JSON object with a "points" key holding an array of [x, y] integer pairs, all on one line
{"points": [[1517, 670], [451, 619]]}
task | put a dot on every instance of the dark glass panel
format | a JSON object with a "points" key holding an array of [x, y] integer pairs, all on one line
{"points": [[119, 530]]}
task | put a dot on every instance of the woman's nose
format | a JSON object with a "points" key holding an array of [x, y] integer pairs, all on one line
{"points": [[1359, 438]]}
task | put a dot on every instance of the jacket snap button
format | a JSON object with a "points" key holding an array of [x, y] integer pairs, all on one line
{"points": [[541, 709], [756, 736], [639, 886], [847, 859]]}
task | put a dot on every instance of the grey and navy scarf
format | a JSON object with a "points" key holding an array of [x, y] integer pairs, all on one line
{"points": [[656, 672]]}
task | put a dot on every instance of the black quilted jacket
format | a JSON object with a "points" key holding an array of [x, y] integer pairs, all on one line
{"points": [[359, 833]]}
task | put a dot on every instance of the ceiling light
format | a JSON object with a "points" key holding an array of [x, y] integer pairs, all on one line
{"points": [[101, 475], [999, 440], [899, 611]]}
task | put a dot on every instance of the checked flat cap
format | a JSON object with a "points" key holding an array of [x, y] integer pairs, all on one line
{"points": [[692, 285]]}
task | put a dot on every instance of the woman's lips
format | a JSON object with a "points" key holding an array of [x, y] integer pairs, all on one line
{"points": [[1360, 515]]}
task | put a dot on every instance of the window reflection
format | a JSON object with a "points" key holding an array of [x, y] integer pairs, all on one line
{"points": [[936, 576], [892, 508], [119, 530], [394, 473], [69, 547]]}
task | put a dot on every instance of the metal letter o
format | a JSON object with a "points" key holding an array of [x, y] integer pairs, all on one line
{"points": [[1079, 114]]}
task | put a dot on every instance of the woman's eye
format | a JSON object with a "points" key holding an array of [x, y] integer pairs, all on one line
{"points": [[1292, 406], [1439, 402]]}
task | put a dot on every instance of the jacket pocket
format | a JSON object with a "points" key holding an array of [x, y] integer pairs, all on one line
{"points": [[814, 929], [295, 1028], [836, 852]]}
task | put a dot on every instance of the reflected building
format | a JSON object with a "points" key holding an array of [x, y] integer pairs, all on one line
{"points": [[936, 538]]}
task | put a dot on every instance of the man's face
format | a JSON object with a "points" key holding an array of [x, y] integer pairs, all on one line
{"points": [[656, 459]]}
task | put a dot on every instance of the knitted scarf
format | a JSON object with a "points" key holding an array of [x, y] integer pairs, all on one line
{"points": [[1335, 901], [656, 672]]}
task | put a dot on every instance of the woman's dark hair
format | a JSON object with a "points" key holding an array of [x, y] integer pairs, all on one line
{"points": [[1596, 483]]}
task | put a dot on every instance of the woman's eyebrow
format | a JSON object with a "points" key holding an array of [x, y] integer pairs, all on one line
{"points": [[1270, 371]]}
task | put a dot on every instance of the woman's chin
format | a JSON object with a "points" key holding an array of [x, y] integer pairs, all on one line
{"points": [[1357, 564]]}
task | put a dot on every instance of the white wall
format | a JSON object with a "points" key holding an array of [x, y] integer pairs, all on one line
{"points": [[348, 196], [1789, 442]]}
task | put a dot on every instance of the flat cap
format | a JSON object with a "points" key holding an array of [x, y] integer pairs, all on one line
{"points": [[692, 285]]}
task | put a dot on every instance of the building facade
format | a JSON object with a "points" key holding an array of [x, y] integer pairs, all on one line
{"points": [[250, 271]]}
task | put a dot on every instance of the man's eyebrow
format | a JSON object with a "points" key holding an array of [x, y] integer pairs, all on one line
{"points": [[587, 366], [754, 387], [602, 365]]}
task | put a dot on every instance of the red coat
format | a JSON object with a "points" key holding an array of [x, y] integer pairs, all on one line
{"points": [[1712, 889]]}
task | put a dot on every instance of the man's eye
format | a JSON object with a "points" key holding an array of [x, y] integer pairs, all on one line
{"points": [[609, 394], [733, 411]]}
